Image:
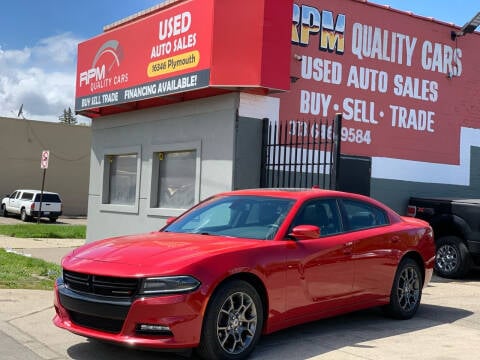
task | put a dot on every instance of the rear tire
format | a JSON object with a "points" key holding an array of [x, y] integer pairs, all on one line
{"points": [[23, 216], [452, 258], [233, 322], [52, 220], [406, 290]]}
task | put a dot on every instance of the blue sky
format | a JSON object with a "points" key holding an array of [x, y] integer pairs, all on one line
{"points": [[38, 43]]}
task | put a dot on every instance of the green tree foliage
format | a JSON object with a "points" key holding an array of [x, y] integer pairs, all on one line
{"points": [[67, 117]]}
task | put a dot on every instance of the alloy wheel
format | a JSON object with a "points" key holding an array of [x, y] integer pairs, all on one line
{"points": [[447, 258], [237, 323], [408, 288]]}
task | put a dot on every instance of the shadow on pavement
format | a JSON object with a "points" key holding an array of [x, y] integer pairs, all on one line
{"points": [[472, 276], [303, 341]]}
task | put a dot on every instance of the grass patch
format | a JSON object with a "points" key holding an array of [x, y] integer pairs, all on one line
{"points": [[44, 231], [21, 272]]}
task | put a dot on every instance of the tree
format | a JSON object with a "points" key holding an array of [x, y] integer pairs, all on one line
{"points": [[67, 117]]}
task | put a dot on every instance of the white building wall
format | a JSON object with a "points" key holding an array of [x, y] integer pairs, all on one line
{"points": [[208, 122]]}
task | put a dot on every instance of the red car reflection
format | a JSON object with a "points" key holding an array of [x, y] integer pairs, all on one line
{"points": [[244, 263]]}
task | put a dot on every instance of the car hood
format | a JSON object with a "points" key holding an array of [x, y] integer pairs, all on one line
{"points": [[158, 247]]}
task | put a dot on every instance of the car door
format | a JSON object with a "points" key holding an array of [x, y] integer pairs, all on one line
{"points": [[12, 201], [374, 255], [319, 271]]}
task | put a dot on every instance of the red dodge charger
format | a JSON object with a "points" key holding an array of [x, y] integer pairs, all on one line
{"points": [[245, 263]]}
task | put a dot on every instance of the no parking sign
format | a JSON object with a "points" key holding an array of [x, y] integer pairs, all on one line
{"points": [[44, 160]]}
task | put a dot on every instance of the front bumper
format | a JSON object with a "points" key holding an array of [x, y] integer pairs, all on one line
{"points": [[118, 321]]}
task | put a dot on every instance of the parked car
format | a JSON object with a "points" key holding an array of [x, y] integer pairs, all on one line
{"points": [[456, 225], [26, 203], [245, 263]]}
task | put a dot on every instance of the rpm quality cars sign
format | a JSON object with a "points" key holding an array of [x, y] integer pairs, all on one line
{"points": [[167, 52], [404, 87]]}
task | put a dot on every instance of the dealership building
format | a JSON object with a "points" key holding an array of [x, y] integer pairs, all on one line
{"points": [[179, 96]]}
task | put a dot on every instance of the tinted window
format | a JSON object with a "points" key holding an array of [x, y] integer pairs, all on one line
{"points": [[361, 215], [27, 196], [51, 198], [322, 213]]}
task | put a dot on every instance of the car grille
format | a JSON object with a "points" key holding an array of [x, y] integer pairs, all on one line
{"points": [[100, 285], [95, 322]]}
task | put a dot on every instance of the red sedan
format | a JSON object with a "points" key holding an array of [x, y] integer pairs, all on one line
{"points": [[244, 263]]}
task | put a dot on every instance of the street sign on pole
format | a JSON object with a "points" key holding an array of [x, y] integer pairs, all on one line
{"points": [[44, 160], [44, 166]]}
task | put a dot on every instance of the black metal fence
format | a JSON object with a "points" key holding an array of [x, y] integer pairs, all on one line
{"points": [[301, 154]]}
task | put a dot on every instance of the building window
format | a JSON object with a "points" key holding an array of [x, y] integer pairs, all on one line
{"points": [[176, 179], [122, 177]]}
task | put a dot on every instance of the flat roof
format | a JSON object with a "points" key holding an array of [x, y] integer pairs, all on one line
{"points": [[168, 3], [140, 14]]}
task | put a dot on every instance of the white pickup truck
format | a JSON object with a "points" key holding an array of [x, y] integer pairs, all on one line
{"points": [[26, 203]]}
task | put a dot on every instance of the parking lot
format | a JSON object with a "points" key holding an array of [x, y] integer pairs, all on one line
{"points": [[447, 326]]}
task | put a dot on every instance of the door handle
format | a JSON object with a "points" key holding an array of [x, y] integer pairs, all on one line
{"points": [[395, 239]]}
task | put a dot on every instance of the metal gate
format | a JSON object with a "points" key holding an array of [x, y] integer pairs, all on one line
{"points": [[301, 154]]}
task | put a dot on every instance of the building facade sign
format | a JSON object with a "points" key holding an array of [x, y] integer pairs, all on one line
{"points": [[216, 45], [165, 53], [405, 89]]}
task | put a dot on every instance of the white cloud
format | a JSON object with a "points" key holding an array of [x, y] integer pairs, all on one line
{"points": [[60, 49], [42, 78]]}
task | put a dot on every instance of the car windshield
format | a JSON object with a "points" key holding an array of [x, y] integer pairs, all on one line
{"points": [[251, 217]]}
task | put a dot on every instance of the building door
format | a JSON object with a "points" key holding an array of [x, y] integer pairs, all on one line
{"points": [[355, 174]]}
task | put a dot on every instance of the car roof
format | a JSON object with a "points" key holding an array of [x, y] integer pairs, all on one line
{"points": [[35, 191], [304, 194], [297, 193]]}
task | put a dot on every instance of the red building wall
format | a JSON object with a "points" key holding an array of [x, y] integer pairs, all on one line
{"points": [[405, 88]]}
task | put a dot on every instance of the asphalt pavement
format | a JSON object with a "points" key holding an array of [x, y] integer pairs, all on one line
{"points": [[446, 327]]}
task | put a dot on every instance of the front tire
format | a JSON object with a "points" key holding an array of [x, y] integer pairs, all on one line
{"points": [[452, 258], [233, 322], [4, 211], [406, 291]]}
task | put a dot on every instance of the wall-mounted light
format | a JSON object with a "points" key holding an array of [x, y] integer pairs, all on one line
{"points": [[468, 28], [297, 57]]}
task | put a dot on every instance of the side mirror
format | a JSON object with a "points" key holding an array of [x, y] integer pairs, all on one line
{"points": [[305, 232], [170, 220]]}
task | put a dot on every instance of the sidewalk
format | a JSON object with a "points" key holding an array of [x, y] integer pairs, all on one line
{"points": [[52, 250], [21, 310]]}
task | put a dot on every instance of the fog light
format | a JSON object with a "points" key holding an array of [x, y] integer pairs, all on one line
{"points": [[154, 329]]}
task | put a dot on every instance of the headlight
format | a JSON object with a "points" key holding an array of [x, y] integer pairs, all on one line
{"points": [[169, 285]]}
